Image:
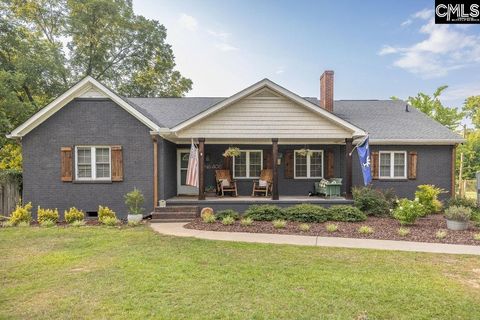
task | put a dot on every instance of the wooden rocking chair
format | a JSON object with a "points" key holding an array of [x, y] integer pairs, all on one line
{"points": [[225, 183], [266, 176]]}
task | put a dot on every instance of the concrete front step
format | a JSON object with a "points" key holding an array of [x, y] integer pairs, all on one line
{"points": [[169, 220], [182, 209], [174, 215]]}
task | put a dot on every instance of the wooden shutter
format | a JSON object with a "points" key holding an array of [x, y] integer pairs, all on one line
{"points": [[289, 164], [228, 163], [374, 164], [267, 159], [117, 163], [412, 165], [66, 158], [329, 160]]}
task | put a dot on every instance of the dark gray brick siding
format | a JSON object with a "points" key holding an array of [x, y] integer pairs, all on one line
{"points": [[433, 167], [87, 122]]}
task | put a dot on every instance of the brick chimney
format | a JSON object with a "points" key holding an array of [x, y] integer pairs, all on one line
{"points": [[326, 90]]}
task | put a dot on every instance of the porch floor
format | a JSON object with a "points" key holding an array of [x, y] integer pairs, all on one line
{"points": [[184, 200]]}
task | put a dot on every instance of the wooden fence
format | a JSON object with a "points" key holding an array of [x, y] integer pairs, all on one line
{"points": [[9, 196]]}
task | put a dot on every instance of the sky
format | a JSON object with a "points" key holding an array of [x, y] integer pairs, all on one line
{"points": [[377, 49]]}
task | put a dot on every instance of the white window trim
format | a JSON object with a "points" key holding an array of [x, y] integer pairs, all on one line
{"points": [[248, 164], [308, 165], [392, 165], [93, 163]]}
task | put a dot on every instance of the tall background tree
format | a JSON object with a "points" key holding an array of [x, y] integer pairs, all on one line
{"points": [[48, 45], [452, 118]]}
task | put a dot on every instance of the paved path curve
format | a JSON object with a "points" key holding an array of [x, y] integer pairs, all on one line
{"points": [[177, 229]]}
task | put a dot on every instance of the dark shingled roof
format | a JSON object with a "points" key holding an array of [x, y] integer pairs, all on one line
{"points": [[382, 119]]}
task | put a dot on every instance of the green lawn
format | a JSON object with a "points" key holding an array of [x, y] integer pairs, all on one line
{"points": [[133, 273]]}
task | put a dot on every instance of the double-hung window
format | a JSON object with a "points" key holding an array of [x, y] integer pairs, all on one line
{"points": [[93, 163], [393, 165], [309, 165], [248, 164]]}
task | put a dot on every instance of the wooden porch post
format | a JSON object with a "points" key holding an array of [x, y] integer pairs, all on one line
{"points": [[348, 168], [155, 171], [275, 169], [201, 169]]}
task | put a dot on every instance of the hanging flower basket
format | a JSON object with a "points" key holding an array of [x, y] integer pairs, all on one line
{"points": [[231, 152], [305, 152]]}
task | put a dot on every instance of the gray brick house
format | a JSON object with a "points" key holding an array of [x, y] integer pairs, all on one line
{"points": [[90, 146]]}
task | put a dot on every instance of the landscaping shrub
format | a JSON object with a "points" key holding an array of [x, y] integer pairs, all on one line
{"points": [[21, 214], [246, 222], [403, 232], [228, 220], [306, 213], [331, 227], [208, 217], [365, 230], [465, 202], [105, 212], [304, 227], [279, 224], [346, 213], [109, 221], [77, 223], [47, 223], [23, 224], [134, 201], [227, 213], [265, 212], [73, 215], [370, 201], [458, 213], [427, 195], [7, 224], [408, 211], [47, 214], [476, 236], [441, 234]]}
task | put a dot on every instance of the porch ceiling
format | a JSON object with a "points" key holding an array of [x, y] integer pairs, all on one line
{"points": [[263, 141]]}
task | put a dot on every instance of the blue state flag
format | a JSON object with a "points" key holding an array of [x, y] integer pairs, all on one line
{"points": [[363, 150]]}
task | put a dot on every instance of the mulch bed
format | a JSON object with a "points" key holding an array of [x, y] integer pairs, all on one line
{"points": [[423, 230]]}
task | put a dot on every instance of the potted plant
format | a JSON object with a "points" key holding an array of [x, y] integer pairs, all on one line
{"points": [[134, 201], [231, 152], [304, 152], [458, 217]]}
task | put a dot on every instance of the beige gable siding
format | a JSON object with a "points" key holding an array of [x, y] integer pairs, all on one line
{"points": [[265, 115]]}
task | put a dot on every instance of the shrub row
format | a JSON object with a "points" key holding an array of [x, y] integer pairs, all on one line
{"points": [[305, 213], [23, 214]]}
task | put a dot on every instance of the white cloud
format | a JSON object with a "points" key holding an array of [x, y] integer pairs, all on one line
{"points": [[225, 47], [424, 14], [461, 92], [188, 22], [280, 70], [445, 48], [406, 22], [219, 34], [387, 50]]}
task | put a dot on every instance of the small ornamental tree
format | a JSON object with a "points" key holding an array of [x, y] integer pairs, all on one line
{"points": [[134, 201]]}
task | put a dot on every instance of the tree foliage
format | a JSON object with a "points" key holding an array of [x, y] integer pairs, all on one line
{"points": [[48, 45], [471, 154], [433, 107], [471, 107]]}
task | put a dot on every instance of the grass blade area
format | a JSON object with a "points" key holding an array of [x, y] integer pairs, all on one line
{"points": [[133, 273]]}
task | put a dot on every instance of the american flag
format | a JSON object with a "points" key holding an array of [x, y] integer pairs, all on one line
{"points": [[192, 170]]}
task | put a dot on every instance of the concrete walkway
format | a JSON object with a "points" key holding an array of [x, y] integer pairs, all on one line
{"points": [[177, 229]]}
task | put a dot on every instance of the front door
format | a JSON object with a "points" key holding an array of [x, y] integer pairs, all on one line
{"points": [[182, 167]]}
